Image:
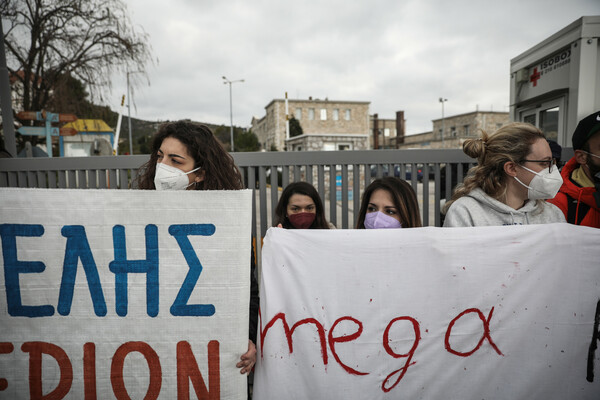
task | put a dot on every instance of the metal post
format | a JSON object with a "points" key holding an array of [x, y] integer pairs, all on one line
{"points": [[48, 125], [443, 124], [129, 115], [231, 117], [442, 100], [118, 129], [231, 107], [287, 118], [5, 101]]}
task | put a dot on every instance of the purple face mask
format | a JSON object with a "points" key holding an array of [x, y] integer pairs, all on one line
{"points": [[378, 220]]}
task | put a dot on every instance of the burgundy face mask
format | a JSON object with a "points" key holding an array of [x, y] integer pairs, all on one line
{"points": [[302, 220]]}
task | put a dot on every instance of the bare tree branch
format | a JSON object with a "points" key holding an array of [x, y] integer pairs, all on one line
{"points": [[85, 39]]}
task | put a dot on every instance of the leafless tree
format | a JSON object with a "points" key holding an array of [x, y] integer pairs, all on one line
{"points": [[86, 39]]}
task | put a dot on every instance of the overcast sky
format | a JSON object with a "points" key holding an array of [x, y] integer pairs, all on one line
{"points": [[396, 54]]}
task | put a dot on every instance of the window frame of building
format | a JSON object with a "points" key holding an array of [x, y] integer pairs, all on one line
{"points": [[466, 129], [549, 119], [298, 113], [335, 114], [386, 132], [347, 114], [311, 114], [323, 114], [340, 146]]}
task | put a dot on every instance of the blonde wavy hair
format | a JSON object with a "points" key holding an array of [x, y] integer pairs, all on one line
{"points": [[512, 142]]}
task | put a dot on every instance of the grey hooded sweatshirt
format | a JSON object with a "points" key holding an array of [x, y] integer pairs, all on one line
{"points": [[479, 209]]}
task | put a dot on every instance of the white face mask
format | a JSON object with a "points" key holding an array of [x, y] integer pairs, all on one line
{"points": [[544, 185], [171, 178]]}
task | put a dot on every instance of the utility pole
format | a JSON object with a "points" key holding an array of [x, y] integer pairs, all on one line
{"points": [[287, 118], [129, 108], [227, 81], [442, 100], [118, 129], [129, 115]]}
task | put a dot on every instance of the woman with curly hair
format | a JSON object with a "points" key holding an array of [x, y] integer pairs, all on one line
{"points": [[187, 156], [515, 173]]}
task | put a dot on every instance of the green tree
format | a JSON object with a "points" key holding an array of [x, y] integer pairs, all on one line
{"points": [[144, 144], [222, 133], [246, 141], [70, 96], [295, 127]]}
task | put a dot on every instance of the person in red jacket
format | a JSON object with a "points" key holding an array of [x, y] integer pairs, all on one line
{"points": [[579, 196]]}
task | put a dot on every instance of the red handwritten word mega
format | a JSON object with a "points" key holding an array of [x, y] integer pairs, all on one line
{"points": [[187, 370], [394, 378]]}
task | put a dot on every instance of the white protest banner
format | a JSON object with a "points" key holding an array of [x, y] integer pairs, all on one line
{"points": [[123, 293], [430, 313]]}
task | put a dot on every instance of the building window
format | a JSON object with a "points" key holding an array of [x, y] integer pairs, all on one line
{"points": [[336, 114], [323, 114], [298, 148], [549, 123], [530, 119], [453, 131], [327, 146], [347, 114], [466, 127], [386, 132], [311, 113], [344, 146], [298, 113]]}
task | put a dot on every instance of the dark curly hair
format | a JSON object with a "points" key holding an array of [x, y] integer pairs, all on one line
{"points": [[403, 196], [305, 189], [220, 171]]}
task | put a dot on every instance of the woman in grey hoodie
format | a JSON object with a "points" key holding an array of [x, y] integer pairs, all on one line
{"points": [[515, 173]]}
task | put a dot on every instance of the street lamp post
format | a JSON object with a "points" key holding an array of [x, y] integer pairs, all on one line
{"points": [[227, 81], [442, 100], [129, 110], [129, 115]]}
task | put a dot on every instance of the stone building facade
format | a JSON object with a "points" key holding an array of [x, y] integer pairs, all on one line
{"points": [[418, 141], [326, 124], [457, 128], [464, 126]]}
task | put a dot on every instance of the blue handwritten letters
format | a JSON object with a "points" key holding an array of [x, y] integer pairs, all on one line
{"points": [[77, 249]]}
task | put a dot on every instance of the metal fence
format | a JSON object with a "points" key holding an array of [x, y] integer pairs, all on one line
{"points": [[339, 176]]}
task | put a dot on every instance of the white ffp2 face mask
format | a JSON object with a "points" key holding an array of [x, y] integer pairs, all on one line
{"points": [[171, 178], [544, 185]]}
